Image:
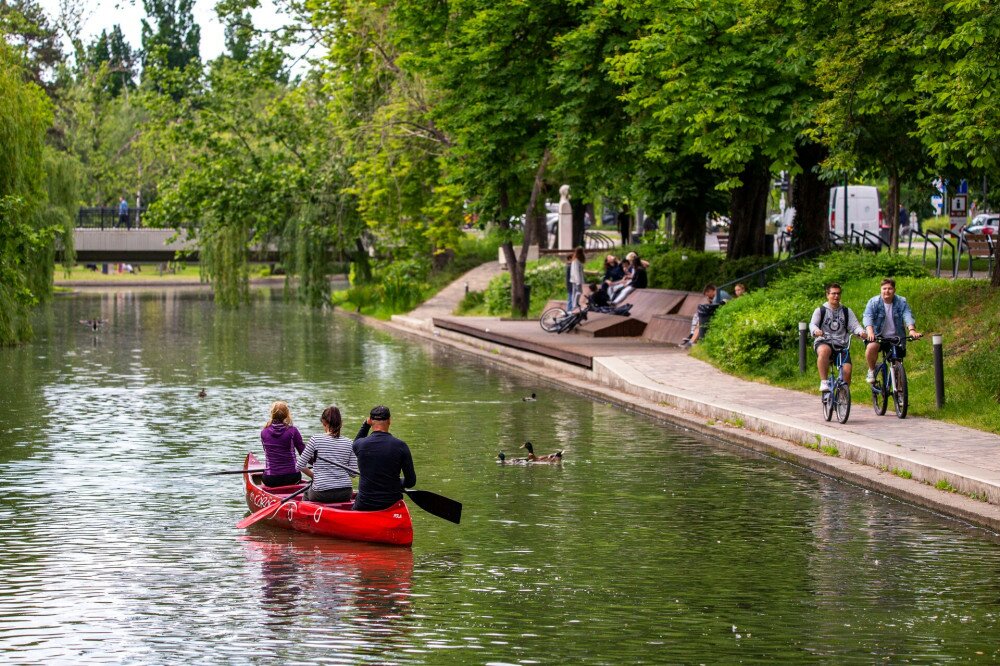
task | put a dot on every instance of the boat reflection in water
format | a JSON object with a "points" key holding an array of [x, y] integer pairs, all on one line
{"points": [[306, 577]]}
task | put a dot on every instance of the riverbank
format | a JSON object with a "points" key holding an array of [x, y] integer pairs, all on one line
{"points": [[942, 467]]}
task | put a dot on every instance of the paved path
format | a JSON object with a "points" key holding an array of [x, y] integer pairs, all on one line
{"points": [[929, 450], [446, 300]]}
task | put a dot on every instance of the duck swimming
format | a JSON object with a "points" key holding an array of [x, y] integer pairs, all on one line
{"points": [[502, 459], [550, 458], [93, 324], [202, 393]]}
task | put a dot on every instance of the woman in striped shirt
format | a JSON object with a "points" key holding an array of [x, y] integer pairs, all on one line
{"points": [[330, 483]]}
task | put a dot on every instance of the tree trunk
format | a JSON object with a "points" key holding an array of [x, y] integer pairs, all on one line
{"points": [[689, 228], [362, 267], [810, 197], [518, 303], [748, 211]]}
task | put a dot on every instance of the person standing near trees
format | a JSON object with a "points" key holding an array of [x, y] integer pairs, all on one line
{"points": [[576, 277]]}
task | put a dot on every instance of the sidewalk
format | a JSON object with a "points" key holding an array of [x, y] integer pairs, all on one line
{"points": [[788, 424]]}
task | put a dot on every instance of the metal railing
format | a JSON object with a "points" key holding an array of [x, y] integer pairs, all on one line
{"points": [[761, 273], [106, 217], [597, 240], [927, 241]]}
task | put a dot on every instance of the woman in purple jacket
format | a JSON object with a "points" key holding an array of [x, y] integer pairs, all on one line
{"points": [[282, 444]]}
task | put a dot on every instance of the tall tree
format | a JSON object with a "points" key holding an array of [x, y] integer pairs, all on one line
{"points": [[170, 40]]}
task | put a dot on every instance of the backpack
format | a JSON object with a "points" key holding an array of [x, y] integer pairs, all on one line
{"points": [[822, 316]]}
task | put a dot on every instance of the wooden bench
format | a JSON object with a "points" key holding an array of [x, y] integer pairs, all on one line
{"points": [[981, 246]]}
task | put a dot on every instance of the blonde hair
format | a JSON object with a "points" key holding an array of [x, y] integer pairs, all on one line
{"points": [[279, 413]]}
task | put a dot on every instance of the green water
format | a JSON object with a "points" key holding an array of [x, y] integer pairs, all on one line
{"points": [[647, 545]]}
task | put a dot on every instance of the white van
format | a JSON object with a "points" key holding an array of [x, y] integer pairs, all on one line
{"points": [[863, 210]]}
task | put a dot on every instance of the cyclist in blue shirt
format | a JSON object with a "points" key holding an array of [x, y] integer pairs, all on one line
{"points": [[889, 316]]}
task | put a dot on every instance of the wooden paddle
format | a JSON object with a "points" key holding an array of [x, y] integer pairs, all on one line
{"points": [[439, 505], [236, 471], [269, 511]]}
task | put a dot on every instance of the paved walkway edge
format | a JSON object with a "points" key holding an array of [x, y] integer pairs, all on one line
{"points": [[859, 461]]}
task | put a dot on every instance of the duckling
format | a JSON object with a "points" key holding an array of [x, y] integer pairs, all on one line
{"points": [[202, 393], [502, 459], [93, 324], [530, 398], [550, 458]]}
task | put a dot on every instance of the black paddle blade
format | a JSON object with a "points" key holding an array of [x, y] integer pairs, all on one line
{"points": [[236, 471], [439, 505]]}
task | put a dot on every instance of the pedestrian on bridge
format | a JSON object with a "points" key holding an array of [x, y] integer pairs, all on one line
{"points": [[123, 217]]}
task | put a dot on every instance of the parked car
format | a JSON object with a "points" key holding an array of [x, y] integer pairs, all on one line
{"points": [[985, 223]]}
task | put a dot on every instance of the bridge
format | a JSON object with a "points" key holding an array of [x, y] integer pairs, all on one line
{"points": [[135, 245]]}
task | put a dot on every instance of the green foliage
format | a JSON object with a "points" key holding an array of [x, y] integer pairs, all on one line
{"points": [[402, 284], [686, 270], [28, 226], [547, 280], [471, 302]]}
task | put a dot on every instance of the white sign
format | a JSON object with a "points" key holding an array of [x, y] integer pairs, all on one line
{"points": [[959, 210]]}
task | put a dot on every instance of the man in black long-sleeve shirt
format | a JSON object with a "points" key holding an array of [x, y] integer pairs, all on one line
{"points": [[381, 459]]}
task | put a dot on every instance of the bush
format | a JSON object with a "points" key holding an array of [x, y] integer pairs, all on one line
{"points": [[685, 270], [402, 284], [547, 280], [472, 300], [844, 266]]}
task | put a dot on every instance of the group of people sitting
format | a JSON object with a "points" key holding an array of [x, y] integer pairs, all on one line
{"points": [[378, 457], [620, 279]]}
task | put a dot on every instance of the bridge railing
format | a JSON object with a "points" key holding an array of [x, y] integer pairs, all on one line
{"points": [[106, 217]]}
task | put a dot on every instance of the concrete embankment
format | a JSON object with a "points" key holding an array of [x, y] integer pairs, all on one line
{"points": [[942, 467]]}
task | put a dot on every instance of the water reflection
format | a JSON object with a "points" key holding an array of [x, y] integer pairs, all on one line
{"points": [[333, 583]]}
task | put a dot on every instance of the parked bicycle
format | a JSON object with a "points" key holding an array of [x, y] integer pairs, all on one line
{"points": [[838, 398], [890, 377], [558, 320]]}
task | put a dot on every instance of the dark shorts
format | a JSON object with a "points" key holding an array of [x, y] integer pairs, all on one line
{"points": [[845, 350], [277, 480], [331, 495]]}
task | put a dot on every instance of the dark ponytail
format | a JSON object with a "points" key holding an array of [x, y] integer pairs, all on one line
{"points": [[332, 420]]}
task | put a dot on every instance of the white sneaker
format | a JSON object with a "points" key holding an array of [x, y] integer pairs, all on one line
{"points": [[870, 377], [824, 385]]}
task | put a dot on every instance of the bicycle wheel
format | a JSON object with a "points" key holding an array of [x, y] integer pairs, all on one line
{"points": [[900, 394], [551, 318], [880, 390], [569, 322], [827, 397], [843, 400]]}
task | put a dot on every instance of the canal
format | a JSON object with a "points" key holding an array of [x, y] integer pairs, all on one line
{"points": [[647, 545]]}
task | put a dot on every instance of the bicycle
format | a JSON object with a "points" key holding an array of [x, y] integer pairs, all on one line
{"points": [[890, 378], [558, 320], [838, 398]]}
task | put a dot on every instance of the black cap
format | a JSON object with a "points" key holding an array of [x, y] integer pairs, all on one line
{"points": [[380, 413]]}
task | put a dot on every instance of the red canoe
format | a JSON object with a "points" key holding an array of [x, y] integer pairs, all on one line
{"points": [[390, 525]]}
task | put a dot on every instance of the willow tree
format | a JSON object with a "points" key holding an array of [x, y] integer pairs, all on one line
{"points": [[26, 235]]}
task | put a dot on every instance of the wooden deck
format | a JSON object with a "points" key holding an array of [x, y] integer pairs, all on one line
{"points": [[572, 348]]}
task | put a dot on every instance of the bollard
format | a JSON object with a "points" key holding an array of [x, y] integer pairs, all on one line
{"points": [[938, 370], [466, 288], [803, 331]]}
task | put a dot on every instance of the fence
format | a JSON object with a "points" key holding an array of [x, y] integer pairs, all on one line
{"points": [[106, 217]]}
